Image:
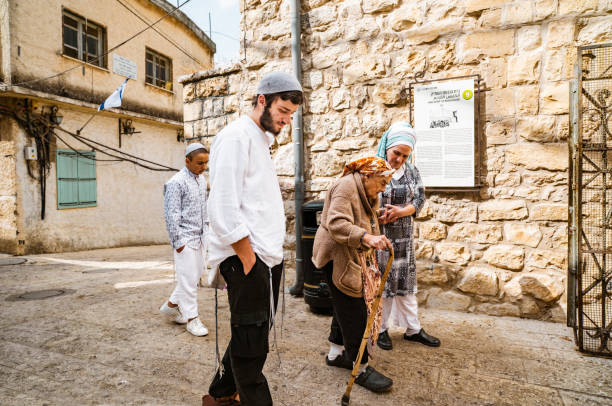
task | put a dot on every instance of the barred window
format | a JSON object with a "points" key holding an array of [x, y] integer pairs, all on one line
{"points": [[83, 39], [158, 69]]}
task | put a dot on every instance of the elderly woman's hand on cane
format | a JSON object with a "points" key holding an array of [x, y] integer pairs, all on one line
{"points": [[380, 242]]}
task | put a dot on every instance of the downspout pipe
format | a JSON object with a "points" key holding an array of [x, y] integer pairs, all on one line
{"points": [[298, 149]]}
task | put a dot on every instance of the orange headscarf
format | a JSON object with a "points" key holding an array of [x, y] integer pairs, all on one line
{"points": [[371, 165]]}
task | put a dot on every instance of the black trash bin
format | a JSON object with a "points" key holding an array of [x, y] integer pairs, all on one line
{"points": [[316, 291]]}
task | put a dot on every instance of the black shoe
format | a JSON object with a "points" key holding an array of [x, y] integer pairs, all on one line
{"points": [[423, 338], [341, 361], [384, 341], [373, 380]]}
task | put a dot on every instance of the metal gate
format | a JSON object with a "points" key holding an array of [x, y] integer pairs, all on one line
{"points": [[590, 201]]}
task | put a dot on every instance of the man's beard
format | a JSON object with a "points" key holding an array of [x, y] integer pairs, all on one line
{"points": [[266, 122]]}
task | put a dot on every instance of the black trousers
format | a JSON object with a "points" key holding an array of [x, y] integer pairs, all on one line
{"points": [[349, 319], [246, 353]]}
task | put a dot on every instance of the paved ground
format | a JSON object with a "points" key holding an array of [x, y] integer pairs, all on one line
{"points": [[105, 343]]}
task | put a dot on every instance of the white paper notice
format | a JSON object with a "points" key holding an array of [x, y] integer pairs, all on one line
{"points": [[444, 125]]}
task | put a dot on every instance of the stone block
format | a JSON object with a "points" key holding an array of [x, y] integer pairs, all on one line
{"points": [[192, 111], [331, 79], [216, 86], [364, 69], [548, 212], [577, 6], [188, 92], [524, 69], [406, 63], [217, 104], [375, 122], [554, 98], [500, 132], [341, 99], [491, 44], [507, 179], [448, 300], [544, 8], [404, 17], [313, 79], [536, 156], [378, 6], [558, 64], [597, 30], [423, 250], [498, 309], [524, 234], [528, 38], [517, 12], [494, 72], [322, 16], [429, 32], [359, 96], [214, 125], [505, 256], [283, 160], [231, 104], [432, 274], [546, 259], [327, 164], [499, 103], [502, 210], [472, 6], [482, 233], [432, 230], [318, 101], [513, 289], [386, 93], [560, 33], [353, 144], [456, 214], [491, 18], [453, 252], [527, 99], [541, 286], [537, 128], [480, 280]]}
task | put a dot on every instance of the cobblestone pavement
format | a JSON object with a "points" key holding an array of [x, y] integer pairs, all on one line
{"points": [[104, 342]]}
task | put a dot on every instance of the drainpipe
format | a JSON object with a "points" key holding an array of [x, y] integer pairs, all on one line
{"points": [[298, 150]]}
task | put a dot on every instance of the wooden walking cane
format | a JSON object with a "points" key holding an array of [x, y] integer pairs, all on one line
{"points": [[366, 334]]}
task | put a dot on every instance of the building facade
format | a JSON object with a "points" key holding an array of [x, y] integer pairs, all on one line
{"points": [[501, 249], [59, 192]]}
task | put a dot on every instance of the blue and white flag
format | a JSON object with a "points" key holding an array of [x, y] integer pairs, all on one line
{"points": [[114, 100]]}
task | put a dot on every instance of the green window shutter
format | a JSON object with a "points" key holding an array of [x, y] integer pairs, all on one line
{"points": [[87, 178], [76, 179]]}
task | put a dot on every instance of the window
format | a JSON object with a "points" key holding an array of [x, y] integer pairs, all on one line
{"points": [[84, 39], [158, 70], [76, 179]]}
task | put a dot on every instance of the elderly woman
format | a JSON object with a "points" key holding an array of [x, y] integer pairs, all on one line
{"points": [[348, 229], [402, 200]]}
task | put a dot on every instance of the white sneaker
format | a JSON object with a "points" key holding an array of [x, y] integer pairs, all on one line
{"points": [[180, 319], [196, 328], [173, 312]]}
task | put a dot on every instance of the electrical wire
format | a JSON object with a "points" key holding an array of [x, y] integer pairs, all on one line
{"points": [[161, 33], [104, 54]]}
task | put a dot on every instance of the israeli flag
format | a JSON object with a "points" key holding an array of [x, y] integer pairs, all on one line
{"points": [[114, 100]]}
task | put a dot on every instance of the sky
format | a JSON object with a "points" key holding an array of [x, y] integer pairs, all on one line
{"points": [[225, 17]]}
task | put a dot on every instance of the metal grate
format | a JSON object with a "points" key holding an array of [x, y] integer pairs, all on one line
{"points": [[592, 201]]}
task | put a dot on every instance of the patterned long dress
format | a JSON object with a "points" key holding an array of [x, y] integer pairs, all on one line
{"points": [[406, 190]]}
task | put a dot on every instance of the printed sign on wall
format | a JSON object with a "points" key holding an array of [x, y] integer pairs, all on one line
{"points": [[124, 67], [444, 124]]}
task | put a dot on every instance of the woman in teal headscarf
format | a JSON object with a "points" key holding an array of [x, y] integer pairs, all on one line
{"points": [[402, 199]]}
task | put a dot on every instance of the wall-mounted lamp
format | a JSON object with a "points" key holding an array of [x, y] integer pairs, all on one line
{"points": [[126, 127], [54, 116]]}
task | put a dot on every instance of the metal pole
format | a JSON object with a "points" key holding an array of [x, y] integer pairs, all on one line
{"points": [[298, 150]]}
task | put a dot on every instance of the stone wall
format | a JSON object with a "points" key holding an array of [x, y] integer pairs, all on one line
{"points": [[501, 251]]}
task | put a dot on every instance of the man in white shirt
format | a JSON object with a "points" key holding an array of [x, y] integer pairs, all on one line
{"points": [[247, 220]]}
